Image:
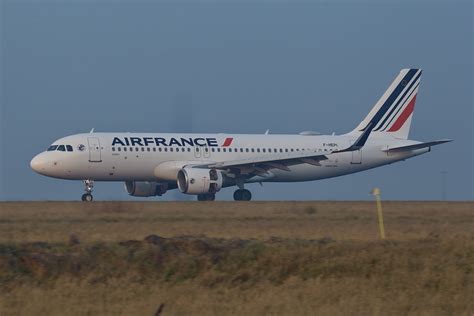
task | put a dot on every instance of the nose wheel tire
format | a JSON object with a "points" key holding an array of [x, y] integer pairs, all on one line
{"points": [[206, 197], [87, 197], [88, 187], [242, 195]]}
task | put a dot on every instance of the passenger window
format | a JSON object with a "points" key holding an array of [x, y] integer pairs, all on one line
{"points": [[264, 150], [61, 148], [154, 149], [189, 150], [52, 148], [258, 150], [171, 149], [241, 150], [235, 150], [253, 150], [113, 148], [166, 149], [124, 148], [223, 149], [286, 149], [143, 149], [218, 150], [148, 149], [119, 149], [246, 150]]}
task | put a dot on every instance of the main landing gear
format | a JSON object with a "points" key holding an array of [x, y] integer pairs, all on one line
{"points": [[242, 195], [89, 186], [206, 197]]}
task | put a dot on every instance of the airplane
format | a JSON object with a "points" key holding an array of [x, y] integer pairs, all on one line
{"points": [[150, 164]]}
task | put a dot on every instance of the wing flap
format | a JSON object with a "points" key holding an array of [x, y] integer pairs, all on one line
{"points": [[266, 163]]}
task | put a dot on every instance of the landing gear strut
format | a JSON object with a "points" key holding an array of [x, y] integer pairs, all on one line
{"points": [[242, 195], [206, 197], [89, 186]]}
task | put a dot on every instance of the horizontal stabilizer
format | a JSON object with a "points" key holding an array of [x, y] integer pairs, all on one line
{"points": [[417, 146]]}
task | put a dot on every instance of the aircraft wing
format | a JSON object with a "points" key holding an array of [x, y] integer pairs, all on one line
{"points": [[259, 165], [417, 146]]}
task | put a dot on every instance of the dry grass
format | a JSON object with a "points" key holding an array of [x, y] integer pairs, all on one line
{"points": [[115, 221], [299, 258]]}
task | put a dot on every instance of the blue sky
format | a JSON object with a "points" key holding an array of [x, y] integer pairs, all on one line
{"points": [[237, 67]]}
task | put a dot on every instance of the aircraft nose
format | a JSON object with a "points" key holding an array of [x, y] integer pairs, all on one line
{"points": [[38, 163]]}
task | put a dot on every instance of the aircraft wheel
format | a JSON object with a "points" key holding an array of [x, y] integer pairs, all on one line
{"points": [[238, 195], [87, 197], [242, 195], [206, 197], [246, 195]]}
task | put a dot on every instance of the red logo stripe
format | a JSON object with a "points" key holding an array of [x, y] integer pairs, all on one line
{"points": [[404, 116], [227, 142]]}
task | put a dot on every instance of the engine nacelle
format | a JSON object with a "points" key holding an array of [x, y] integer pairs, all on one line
{"points": [[199, 181], [143, 189]]}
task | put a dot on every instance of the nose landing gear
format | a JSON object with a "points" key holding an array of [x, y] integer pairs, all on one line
{"points": [[89, 186]]}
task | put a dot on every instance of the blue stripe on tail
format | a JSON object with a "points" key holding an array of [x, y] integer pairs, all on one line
{"points": [[388, 103]]}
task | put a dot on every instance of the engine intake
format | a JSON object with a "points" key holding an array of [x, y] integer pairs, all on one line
{"points": [[199, 181], [146, 188]]}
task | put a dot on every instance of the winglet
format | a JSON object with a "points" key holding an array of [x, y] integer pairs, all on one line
{"points": [[360, 142]]}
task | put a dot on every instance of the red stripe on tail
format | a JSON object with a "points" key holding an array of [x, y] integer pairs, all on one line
{"points": [[404, 116]]}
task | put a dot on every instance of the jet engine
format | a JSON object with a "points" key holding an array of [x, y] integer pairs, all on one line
{"points": [[145, 188], [199, 181]]}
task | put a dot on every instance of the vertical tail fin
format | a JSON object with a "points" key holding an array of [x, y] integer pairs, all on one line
{"points": [[392, 113]]}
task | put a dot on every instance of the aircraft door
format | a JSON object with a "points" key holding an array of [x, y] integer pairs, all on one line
{"points": [[94, 149], [356, 157]]}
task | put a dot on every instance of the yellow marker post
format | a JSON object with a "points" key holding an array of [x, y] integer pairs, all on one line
{"points": [[376, 192]]}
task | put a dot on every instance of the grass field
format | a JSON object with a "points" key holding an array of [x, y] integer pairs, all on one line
{"points": [[285, 258]]}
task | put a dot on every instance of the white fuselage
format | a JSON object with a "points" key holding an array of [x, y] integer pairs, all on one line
{"points": [[158, 157]]}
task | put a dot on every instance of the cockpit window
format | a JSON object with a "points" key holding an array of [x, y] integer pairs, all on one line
{"points": [[52, 147], [69, 147], [61, 148]]}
